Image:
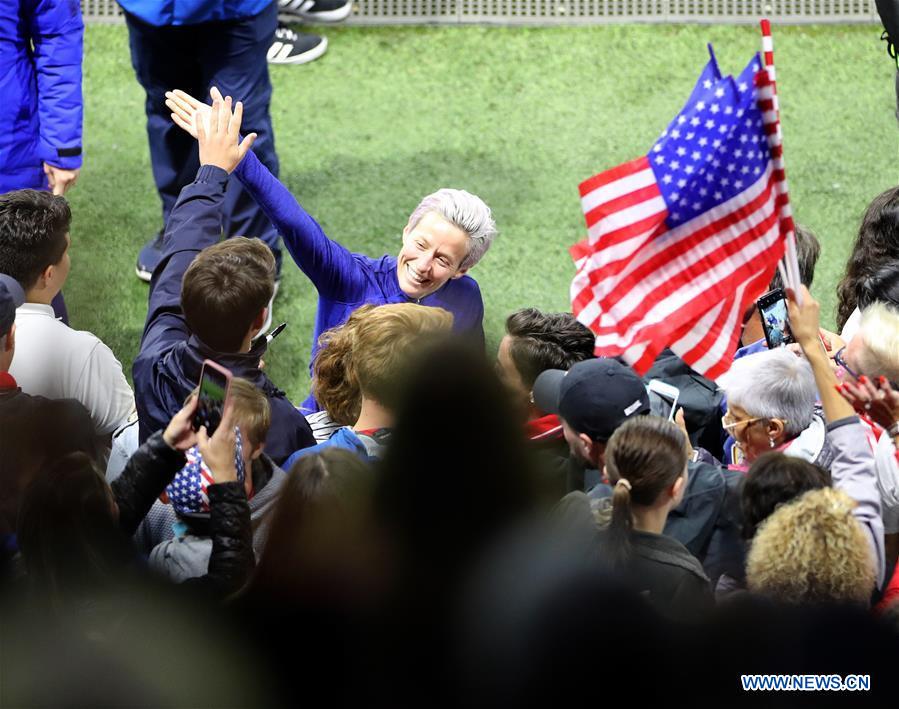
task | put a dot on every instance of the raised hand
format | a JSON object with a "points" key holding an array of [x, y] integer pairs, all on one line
{"points": [[186, 110], [220, 143], [879, 401]]}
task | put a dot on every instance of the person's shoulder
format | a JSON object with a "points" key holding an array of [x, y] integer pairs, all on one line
{"points": [[669, 553], [61, 411], [466, 285]]}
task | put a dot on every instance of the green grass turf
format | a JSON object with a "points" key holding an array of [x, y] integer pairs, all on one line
{"points": [[517, 115]]}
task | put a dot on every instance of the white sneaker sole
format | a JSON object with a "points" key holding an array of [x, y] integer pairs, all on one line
{"points": [[275, 53], [338, 15]]}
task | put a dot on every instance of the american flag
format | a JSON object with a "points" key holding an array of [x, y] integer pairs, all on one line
{"points": [[188, 491], [683, 240]]}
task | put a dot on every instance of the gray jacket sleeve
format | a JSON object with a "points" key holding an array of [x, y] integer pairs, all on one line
{"points": [[853, 472]]}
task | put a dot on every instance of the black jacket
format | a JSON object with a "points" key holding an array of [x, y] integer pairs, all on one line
{"points": [[660, 567], [150, 469]]}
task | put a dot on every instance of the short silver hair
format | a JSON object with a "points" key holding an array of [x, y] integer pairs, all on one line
{"points": [[773, 384], [464, 210]]}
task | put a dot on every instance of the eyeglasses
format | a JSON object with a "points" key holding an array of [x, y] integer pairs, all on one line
{"points": [[838, 358], [728, 423]]}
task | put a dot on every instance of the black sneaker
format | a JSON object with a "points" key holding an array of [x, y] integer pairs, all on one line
{"points": [[289, 47], [149, 257], [316, 10]]}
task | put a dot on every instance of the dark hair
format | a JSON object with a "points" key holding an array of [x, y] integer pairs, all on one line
{"points": [[542, 341], [33, 228], [808, 249], [881, 287], [650, 453], [67, 533], [321, 508], [876, 243], [224, 290], [775, 479]]}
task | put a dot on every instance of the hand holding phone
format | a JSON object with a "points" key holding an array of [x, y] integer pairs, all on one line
{"points": [[775, 319], [212, 397]]}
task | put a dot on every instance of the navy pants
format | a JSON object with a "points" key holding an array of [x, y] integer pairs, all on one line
{"points": [[232, 56]]}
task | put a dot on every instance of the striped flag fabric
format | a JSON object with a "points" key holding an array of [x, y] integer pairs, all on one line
{"points": [[683, 240]]}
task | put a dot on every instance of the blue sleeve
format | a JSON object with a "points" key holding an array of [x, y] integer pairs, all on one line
{"points": [[57, 32], [331, 268], [194, 223]]}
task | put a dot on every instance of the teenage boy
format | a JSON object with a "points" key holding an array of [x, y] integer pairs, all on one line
{"points": [[54, 360], [208, 299]]}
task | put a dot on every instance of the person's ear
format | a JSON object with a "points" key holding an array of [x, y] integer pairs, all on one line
{"points": [[458, 274], [591, 450], [676, 491], [260, 320], [10, 343], [45, 277], [776, 430], [257, 451]]}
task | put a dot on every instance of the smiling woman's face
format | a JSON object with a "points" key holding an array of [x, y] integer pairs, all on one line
{"points": [[431, 255]]}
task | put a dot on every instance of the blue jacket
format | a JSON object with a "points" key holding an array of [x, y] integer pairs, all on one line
{"points": [[162, 13], [345, 280], [344, 438], [40, 89], [167, 368]]}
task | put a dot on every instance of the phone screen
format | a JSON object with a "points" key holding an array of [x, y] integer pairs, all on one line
{"points": [[775, 321], [211, 400]]}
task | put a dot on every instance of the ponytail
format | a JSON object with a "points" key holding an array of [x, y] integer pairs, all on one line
{"points": [[621, 524], [644, 457]]}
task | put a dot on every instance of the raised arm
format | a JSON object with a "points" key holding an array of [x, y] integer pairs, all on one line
{"points": [[194, 223], [329, 266], [852, 470], [57, 33]]}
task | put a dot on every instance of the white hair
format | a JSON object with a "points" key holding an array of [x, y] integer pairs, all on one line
{"points": [[879, 333], [773, 384], [464, 210]]}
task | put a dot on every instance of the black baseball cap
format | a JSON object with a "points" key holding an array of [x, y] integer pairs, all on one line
{"points": [[594, 397], [11, 297]]}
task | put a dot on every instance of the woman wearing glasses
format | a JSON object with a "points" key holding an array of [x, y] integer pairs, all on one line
{"points": [[771, 399]]}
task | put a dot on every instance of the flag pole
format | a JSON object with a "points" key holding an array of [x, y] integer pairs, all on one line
{"points": [[775, 141]]}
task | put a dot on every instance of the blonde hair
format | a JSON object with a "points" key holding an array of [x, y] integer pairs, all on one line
{"points": [[252, 410], [369, 353], [812, 550], [879, 331]]}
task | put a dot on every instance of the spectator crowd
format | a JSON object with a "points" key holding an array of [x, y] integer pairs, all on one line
{"points": [[436, 523]]}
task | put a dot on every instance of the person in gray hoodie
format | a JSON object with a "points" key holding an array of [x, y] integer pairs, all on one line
{"points": [[176, 532]]}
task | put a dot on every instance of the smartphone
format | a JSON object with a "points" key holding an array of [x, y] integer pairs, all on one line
{"points": [[212, 397], [662, 398], [775, 321]]}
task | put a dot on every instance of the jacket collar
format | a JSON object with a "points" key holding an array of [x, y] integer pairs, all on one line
{"points": [[241, 364]]}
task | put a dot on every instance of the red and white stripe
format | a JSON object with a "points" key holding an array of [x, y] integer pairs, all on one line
{"points": [[641, 287]]}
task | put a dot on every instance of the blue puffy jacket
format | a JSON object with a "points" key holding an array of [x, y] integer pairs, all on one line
{"points": [[162, 13], [40, 89]]}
